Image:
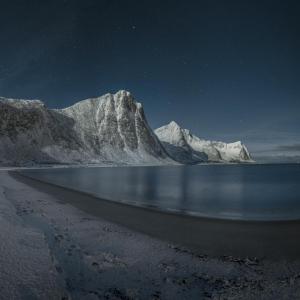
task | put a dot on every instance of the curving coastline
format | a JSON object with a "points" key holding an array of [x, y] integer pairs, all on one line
{"points": [[51, 249], [274, 240]]}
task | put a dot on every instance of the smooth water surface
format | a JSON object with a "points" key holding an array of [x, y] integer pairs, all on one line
{"points": [[244, 192]]}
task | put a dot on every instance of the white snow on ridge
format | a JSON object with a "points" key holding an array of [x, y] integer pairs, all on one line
{"points": [[111, 128], [21, 103], [185, 147], [107, 129]]}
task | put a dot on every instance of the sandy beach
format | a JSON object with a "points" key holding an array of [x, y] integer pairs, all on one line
{"points": [[95, 249]]}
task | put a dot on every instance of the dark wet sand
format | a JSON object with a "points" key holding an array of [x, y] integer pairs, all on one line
{"points": [[270, 240]]}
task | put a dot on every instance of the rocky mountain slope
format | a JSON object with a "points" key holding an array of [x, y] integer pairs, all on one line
{"points": [[107, 129], [184, 147], [110, 128]]}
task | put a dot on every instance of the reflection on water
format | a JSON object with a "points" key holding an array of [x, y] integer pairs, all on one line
{"points": [[223, 191]]}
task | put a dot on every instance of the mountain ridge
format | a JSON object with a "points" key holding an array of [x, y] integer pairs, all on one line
{"points": [[185, 147], [108, 129]]}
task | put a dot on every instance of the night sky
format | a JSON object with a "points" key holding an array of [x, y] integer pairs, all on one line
{"points": [[227, 70]]}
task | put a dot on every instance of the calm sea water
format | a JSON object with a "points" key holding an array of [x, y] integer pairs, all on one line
{"points": [[245, 192]]}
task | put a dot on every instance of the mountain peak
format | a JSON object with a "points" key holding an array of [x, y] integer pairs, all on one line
{"points": [[123, 93], [174, 125], [185, 147], [121, 96], [109, 128]]}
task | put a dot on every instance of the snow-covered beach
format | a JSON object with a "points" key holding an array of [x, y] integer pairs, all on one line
{"points": [[53, 250]]}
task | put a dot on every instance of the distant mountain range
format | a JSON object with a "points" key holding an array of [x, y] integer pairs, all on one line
{"points": [[108, 129], [187, 148]]}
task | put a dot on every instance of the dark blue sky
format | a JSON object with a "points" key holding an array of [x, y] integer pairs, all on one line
{"points": [[224, 69]]}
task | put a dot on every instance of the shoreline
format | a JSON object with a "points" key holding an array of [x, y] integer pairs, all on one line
{"points": [[274, 240], [51, 249], [19, 174], [111, 165]]}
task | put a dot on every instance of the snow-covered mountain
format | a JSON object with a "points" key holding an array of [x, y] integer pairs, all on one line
{"points": [[184, 147], [110, 128]]}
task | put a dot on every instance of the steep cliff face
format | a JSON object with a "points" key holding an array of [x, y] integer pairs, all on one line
{"points": [[108, 128], [185, 147], [115, 127]]}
